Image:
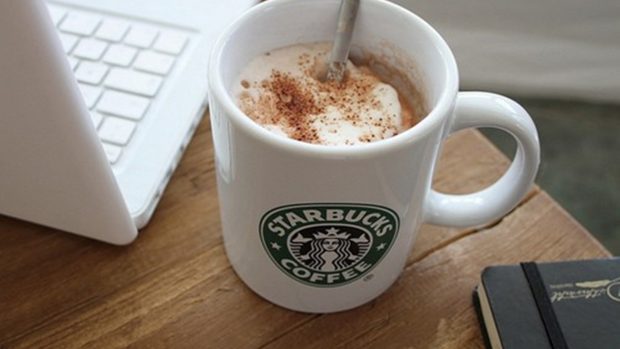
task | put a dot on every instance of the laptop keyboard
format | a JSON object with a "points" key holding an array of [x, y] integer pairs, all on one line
{"points": [[120, 65]]}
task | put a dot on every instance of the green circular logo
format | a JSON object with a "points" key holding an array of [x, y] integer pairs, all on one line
{"points": [[328, 245]]}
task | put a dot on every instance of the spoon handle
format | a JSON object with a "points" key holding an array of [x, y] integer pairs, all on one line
{"points": [[342, 41]]}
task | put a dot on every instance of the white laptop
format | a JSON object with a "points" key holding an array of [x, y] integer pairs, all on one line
{"points": [[98, 100]]}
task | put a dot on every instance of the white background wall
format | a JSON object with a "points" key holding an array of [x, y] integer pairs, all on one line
{"points": [[550, 48]]}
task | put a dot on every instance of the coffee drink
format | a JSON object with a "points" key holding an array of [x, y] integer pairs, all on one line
{"points": [[281, 90]]}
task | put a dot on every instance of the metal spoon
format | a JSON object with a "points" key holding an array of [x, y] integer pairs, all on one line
{"points": [[337, 64]]}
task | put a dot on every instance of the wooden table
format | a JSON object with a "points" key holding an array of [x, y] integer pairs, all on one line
{"points": [[173, 287]]}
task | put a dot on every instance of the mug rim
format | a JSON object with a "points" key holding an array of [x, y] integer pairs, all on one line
{"points": [[439, 110]]}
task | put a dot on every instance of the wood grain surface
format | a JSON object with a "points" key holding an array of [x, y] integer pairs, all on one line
{"points": [[173, 287]]}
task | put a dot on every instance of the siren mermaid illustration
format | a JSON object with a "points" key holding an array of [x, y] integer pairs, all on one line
{"points": [[332, 250]]}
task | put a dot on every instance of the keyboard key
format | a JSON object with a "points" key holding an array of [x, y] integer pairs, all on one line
{"points": [[73, 62], [112, 30], [81, 24], [91, 94], [131, 81], [90, 72], [113, 152], [56, 14], [116, 130], [123, 104], [154, 62], [68, 41], [90, 49], [120, 55], [96, 118], [170, 42], [141, 36]]}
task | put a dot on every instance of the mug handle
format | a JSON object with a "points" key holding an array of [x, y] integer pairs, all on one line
{"points": [[483, 109]]}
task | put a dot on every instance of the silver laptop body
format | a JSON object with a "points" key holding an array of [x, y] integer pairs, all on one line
{"points": [[99, 99]]}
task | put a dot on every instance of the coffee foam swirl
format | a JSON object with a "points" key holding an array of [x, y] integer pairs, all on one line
{"points": [[279, 91]]}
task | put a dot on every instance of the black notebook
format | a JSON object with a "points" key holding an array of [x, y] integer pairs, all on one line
{"points": [[551, 305]]}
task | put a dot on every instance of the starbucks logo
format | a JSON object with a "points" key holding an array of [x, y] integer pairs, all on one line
{"points": [[328, 244], [334, 249]]}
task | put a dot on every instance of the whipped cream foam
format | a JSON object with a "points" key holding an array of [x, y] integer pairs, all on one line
{"points": [[280, 91]]}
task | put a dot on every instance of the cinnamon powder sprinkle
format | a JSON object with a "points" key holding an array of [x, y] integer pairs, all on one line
{"points": [[295, 102], [299, 103]]}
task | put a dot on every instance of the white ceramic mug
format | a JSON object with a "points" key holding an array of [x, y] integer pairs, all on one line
{"points": [[319, 228]]}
